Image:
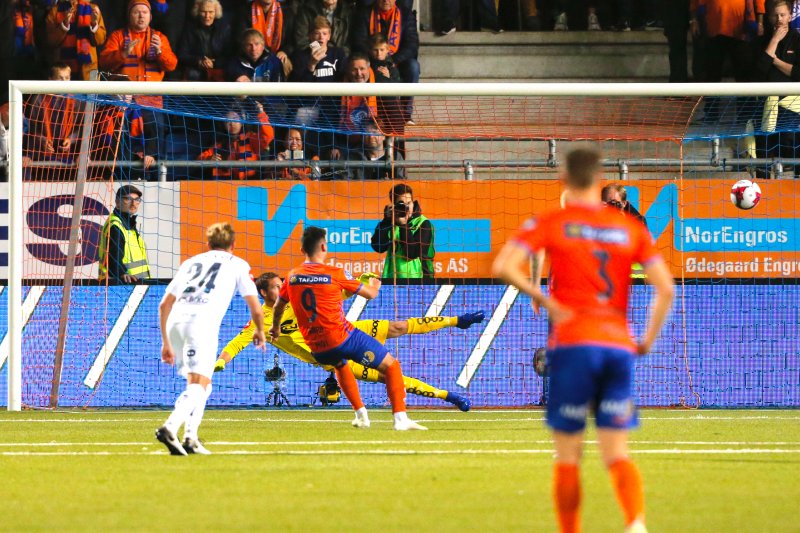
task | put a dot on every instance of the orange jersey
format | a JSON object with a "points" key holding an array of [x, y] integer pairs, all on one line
{"points": [[315, 292], [728, 17], [591, 250]]}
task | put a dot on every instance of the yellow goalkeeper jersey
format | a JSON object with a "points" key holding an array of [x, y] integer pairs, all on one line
{"points": [[291, 340]]}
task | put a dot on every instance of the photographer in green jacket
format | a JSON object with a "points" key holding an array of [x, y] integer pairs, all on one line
{"points": [[406, 236]]}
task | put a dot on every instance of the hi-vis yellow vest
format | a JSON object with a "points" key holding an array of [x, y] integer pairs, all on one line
{"points": [[134, 258]]}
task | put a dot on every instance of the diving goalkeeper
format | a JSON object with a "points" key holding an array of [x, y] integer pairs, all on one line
{"points": [[291, 341]]}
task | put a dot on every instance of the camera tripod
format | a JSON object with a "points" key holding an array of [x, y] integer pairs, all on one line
{"points": [[277, 376]]}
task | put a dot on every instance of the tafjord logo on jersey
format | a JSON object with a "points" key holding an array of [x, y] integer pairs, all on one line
{"points": [[348, 234]]}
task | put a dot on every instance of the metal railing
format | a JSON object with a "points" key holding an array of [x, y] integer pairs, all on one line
{"points": [[623, 166]]}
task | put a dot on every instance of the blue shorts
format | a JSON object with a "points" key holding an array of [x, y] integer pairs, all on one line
{"points": [[358, 347], [594, 379]]}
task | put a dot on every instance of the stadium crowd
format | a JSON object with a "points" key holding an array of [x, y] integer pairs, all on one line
{"points": [[369, 41]]}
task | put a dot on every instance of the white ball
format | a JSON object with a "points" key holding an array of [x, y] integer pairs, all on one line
{"points": [[745, 194]]}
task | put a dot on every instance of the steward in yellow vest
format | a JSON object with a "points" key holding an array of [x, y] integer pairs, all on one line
{"points": [[123, 255]]}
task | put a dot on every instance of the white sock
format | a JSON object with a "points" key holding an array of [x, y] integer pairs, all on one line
{"points": [[400, 417], [361, 414], [194, 420], [184, 405]]}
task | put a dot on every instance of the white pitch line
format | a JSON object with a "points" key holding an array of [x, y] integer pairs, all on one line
{"points": [[726, 451], [28, 306], [440, 300], [466, 419], [384, 442], [541, 451], [274, 420], [488, 335], [112, 341], [357, 307]]}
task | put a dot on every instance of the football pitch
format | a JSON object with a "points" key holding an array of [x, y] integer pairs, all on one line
{"points": [[309, 470]]}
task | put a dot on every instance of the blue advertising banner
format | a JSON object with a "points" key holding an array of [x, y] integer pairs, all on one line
{"points": [[723, 346]]}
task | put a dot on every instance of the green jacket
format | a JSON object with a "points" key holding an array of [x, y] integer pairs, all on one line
{"points": [[409, 248]]}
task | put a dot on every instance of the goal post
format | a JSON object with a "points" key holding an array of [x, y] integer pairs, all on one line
{"points": [[480, 158]]}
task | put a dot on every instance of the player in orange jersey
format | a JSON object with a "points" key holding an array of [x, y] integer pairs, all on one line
{"points": [[590, 350], [315, 291]]}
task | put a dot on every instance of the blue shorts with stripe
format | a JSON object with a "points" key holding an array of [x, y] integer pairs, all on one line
{"points": [[590, 379], [358, 347]]}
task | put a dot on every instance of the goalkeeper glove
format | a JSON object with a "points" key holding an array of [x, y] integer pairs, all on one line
{"points": [[365, 277], [219, 366]]}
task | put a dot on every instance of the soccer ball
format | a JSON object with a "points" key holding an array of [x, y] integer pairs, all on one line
{"points": [[745, 194]]}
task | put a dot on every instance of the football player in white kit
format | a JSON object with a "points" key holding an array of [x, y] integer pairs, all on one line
{"points": [[191, 312]]}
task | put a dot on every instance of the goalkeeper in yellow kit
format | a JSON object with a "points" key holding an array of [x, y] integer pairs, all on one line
{"points": [[291, 341]]}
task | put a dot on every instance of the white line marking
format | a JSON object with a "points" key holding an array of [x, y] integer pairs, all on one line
{"points": [[28, 306], [727, 451], [356, 309], [384, 442], [440, 300], [268, 419], [112, 341], [541, 451], [488, 335], [466, 419]]}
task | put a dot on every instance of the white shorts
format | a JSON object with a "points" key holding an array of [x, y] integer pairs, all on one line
{"points": [[195, 348]]}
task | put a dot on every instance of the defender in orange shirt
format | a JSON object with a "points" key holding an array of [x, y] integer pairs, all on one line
{"points": [[591, 353]]}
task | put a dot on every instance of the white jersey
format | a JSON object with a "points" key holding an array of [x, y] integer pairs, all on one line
{"points": [[204, 287]]}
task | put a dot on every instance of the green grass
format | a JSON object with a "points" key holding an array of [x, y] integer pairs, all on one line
{"points": [[310, 471]]}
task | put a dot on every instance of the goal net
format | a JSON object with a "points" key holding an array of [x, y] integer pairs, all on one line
{"points": [[480, 159]]}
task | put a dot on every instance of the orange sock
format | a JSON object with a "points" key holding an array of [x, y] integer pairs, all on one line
{"points": [[627, 483], [567, 495], [347, 382], [395, 387]]}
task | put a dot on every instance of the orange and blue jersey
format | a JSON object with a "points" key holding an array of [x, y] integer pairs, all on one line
{"points": [[315, 292], [591, 250]]}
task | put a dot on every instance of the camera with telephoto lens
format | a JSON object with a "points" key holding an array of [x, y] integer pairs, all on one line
{"points": [[401, 210], [616, 203]]}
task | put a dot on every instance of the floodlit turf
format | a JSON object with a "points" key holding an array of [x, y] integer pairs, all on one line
{"points": [[704, 471]]}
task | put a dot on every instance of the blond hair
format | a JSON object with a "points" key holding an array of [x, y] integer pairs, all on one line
{"points": [[215, 3], [220, 236], [787, 3], [319, 23]]}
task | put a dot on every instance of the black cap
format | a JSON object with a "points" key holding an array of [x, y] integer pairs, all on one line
{"points": [[127, 190]]}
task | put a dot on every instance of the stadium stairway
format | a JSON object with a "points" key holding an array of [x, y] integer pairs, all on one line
{"points": [[570, 56]]}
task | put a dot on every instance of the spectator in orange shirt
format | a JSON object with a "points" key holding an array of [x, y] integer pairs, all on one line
{"points": [[140, 53], [137, 51], [52, 135], [75, 29], [240, 144]]}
